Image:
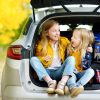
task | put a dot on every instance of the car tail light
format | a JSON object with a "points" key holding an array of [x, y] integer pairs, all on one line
{"points": [[14, 52]]}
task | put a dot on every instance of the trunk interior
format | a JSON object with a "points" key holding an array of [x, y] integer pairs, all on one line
{"points": [[73, 20]]}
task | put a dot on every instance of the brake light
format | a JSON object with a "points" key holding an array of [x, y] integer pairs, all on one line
{"points": [[14, 52]]}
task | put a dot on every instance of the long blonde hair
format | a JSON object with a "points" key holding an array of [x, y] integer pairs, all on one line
{"points": [[86, 38], [43, 34]]}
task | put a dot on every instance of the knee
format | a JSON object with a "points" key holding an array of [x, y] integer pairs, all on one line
{"points": [[71, 59], [91, 71], [34, 59]]}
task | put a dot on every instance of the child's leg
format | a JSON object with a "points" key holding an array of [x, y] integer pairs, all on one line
{"points": [[74, 90], [71, 83], [42, 74], [84, 77], [39, 68], [65, 70], [61, 85], [68, 68]]}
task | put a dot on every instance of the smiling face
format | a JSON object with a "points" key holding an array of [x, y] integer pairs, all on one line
{"points": [[76, 39], [54, 33]]}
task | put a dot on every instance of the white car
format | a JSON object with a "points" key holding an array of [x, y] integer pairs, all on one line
{"points": [[18, 81]]}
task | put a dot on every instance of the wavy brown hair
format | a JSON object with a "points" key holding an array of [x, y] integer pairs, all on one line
{"points": [[43, 34]]}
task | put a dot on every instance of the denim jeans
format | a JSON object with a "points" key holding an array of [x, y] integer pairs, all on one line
{"points": [[66, 68], [80, 78]]}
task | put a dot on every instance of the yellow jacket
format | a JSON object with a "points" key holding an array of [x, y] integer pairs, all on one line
{"points": [[78, 64], [64, 42]]}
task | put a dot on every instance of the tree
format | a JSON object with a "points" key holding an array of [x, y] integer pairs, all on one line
{"points": [[13, 14]]}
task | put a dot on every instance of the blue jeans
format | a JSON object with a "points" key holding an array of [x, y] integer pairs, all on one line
{"points": [[80, 78], [66, 68]]}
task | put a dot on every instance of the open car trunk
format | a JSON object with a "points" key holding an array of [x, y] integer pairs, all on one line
{"points": [[73, 20]]}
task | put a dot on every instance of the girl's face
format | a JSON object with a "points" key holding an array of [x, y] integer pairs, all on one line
{"points": [[75, 39], [54, 32]]}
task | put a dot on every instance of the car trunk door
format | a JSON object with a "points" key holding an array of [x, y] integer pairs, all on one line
{"points": [[49, 3]]}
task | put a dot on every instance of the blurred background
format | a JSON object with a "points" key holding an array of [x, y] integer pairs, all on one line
{"points": [[13, 15]]}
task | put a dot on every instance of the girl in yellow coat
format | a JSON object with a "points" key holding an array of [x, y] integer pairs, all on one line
{"points": [[82, 72], [49, 61]]}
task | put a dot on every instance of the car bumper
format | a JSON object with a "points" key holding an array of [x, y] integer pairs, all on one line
{"points": [[19, 93]]}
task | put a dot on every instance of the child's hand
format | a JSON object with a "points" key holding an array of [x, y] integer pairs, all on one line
{"points": [[47, 58], [89, 49]]}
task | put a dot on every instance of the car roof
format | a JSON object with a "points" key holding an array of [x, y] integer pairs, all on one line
{"points": [[49, 3]]}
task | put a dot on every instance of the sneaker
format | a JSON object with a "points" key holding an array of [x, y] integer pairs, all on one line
{"points": [[76, 91], [66, 90], [60, 88], [51, 86]]}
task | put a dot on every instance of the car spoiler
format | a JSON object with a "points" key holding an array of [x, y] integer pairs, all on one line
{"points": [[49, 3]]}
